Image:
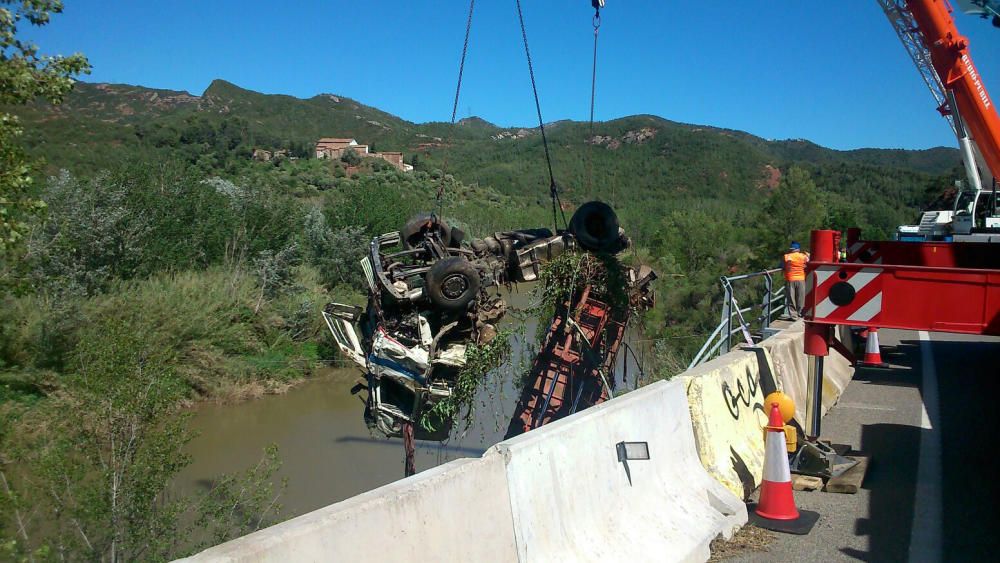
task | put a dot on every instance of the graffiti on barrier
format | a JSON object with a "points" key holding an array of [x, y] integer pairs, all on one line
{"points": [[744, 398]]}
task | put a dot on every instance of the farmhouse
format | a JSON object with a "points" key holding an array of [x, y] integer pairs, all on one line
{"points": [[330, 147]]}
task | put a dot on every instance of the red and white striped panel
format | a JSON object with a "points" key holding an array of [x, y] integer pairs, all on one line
{"points": [[864, 252], [866, 306]]}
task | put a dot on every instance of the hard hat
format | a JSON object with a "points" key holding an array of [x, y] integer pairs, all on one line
{"points": [[795, 245]]}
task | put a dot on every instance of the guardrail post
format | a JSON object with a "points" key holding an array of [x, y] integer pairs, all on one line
{"points": [[767, 300], [727, 314]]}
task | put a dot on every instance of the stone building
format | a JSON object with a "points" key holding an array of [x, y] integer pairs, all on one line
{"points": [[329, 147]]}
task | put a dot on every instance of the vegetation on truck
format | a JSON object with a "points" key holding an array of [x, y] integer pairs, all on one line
{"points": [[567, 276], [585, 302], [481, 360]]}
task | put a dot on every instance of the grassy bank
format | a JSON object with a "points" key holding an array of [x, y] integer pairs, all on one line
{"points": [[225, 338]]}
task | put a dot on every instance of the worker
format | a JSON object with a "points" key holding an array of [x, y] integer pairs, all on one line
{"points": [[794, 265]]}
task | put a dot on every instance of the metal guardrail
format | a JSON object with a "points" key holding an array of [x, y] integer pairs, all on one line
{"points": [[760, 314]]}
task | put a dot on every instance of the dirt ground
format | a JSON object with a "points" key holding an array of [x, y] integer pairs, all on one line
{"points": [[748, 539]]}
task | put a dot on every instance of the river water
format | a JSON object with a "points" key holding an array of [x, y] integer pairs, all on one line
{"points": [[327, 452]]}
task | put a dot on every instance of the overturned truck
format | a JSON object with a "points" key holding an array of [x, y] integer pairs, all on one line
{"points": [[429, 300], [575, 365]]}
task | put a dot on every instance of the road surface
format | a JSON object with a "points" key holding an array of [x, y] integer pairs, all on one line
{"points": [[928, 423]]}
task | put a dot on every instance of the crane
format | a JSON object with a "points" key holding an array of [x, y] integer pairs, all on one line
{"points": [[926, 285], [941, 55]]}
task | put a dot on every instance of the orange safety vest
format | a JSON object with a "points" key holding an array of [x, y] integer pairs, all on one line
{"points": [[795, 265]]}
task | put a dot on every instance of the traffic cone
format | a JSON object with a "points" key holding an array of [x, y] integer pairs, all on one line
{"points": [[873, 357], [776, 510]]}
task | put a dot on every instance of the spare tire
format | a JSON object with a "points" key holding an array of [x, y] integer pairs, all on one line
{"points": [[595, 227], [452, 283], [413, 231]]}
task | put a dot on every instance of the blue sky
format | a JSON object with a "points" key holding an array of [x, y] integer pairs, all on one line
{"points": [[831, 72]]}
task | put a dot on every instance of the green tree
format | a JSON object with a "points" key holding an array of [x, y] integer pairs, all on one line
{"points": [[366, 202], [791, 211], [25, 75], [696, 239], [350, 158], [334, 253], [94, 464]]}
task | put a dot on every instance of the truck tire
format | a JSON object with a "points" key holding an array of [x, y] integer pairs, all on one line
{"points": [[413, 231], [452, 283], [595, 227]]}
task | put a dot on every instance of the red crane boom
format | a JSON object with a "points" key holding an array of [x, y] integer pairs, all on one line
{"points": [[950, 56]]}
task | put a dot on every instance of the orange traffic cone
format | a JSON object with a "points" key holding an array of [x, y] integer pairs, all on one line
{"points": [[873, 357], [776, 509]]}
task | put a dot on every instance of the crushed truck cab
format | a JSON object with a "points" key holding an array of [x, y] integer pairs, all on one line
{"points": [[428, 300]]}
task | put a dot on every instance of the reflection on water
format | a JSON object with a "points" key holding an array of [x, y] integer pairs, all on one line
{"points": [[327, 452]]}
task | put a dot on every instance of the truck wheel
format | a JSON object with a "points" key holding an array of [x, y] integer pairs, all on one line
{"points": [[413, 231], [452, 283], [595, 227]]}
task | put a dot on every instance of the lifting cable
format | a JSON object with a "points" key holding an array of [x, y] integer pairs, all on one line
{"points": [[553, 189], [597, 4], [454, 106], [409, 445]]}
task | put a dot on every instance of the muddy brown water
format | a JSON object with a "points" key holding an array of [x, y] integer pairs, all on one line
{"points": [[326, 450]]}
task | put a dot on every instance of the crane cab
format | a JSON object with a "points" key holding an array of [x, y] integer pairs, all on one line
{"points": [[975, 217]]}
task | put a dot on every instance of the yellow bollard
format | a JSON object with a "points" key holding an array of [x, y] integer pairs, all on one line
{"points": [[787, 409], [786, 406]]}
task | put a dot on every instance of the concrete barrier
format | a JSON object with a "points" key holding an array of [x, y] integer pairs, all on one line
{"points": [[559, 493], [790, 369], [726, 399], [572, 500], [458, 511]]}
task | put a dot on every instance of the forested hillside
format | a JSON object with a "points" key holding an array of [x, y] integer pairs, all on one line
{"points": [[699, 201]]}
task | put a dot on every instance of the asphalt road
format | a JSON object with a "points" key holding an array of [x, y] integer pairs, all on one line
{"points": [[931, 490]]}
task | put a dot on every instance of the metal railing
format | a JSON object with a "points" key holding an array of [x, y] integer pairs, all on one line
{"points": [[749, 320]]}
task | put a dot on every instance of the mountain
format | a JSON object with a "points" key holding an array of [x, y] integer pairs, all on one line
{"points": [[937, 160], [644, 164], [119, 113]]}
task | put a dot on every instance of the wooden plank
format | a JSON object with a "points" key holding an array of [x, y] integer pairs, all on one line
{"points": [[850, 481]]}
